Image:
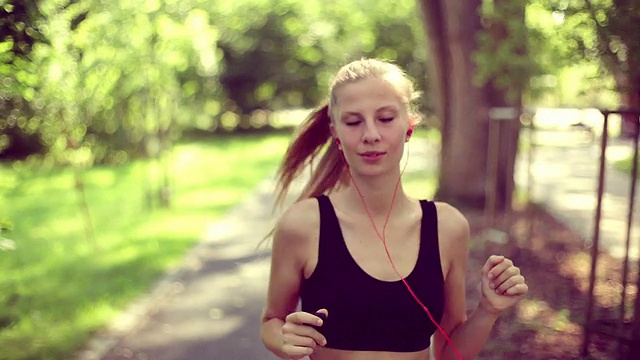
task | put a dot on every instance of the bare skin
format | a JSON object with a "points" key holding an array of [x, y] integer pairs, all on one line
{"points": [[403, 237], [372, 117]]}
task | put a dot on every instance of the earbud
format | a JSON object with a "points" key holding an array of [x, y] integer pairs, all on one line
{"points": [[409, 133]]}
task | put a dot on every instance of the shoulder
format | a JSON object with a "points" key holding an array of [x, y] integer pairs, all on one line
{"points": [[297, 223], [453, 226], [453, 238]]}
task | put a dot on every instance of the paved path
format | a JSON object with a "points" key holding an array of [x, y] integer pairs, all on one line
{"points": [[210, 308], [565, 182]]}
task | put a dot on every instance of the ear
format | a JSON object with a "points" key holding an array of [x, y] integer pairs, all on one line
{"points": [[332, 129], [334, 135]]}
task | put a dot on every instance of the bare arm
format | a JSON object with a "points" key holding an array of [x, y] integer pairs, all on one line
{"points": [[470, 334], [283, 331]]}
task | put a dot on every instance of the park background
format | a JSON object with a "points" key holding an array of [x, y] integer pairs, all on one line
{"points": [[128, 128]]}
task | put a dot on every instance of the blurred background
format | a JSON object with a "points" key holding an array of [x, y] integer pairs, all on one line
{"points": [[128, 128]]}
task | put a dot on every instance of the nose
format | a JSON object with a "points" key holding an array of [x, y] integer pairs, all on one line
{"points": [[371, 134]]}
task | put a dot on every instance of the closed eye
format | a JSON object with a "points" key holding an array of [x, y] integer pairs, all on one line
{"points": [[353, 123], [387, 119]]}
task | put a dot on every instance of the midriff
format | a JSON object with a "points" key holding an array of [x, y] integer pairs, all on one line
{"points": [[334, 354]]}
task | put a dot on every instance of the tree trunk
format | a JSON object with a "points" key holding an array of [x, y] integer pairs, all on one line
{"points": [[463, 107], [508, 130], [84, 207], [630, 100], [506, 149]]}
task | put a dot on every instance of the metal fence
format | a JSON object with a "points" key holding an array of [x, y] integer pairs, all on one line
{"points": [[623, 329]]}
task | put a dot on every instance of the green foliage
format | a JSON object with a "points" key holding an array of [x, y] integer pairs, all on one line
{"points": [[506, 46], [108, 75], [18, 35], [5, 225], [54, 281], [559, 42], [93, 80], [625, 165], [570, 74], [598, 36], [18, 25], [103, 77], [596, 28], [293, 47]]}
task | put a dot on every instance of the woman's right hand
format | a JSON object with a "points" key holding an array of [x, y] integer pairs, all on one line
{"points": [[299, 337]]}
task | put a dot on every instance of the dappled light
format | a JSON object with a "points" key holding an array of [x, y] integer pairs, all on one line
{"points": [[540, 313], [139, 143], [133, 246], [221, 310], [608, 289], [548, 323]]}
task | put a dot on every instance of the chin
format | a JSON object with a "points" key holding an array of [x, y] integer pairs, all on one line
{"points": [[370, 171]]}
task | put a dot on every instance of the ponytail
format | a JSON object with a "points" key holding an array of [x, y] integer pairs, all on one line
{"points": [[312, 137]]}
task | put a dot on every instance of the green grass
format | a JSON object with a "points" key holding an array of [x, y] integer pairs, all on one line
{"points": [[625, 165], [56, 288]]}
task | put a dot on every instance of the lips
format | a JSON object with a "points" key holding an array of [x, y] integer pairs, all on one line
{"points": [[372, 153], [372, 156]]}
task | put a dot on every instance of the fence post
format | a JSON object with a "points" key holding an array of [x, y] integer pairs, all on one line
{"points": [[625, 333]]}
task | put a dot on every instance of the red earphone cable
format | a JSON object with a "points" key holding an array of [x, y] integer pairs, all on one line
{"points": [[384, 243]]}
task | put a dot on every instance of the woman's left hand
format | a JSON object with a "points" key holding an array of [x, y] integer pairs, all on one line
{"points": [[502, 284]]}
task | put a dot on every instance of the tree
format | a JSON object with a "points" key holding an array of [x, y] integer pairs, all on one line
{"points": [[18, 35], [295, 46], [606, 31], [476, 61]]}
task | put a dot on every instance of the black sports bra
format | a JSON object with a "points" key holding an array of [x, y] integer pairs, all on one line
{"points": [[367, 314]]}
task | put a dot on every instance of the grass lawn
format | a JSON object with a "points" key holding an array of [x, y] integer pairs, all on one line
{"points": [[625, 165], [57, 288]]}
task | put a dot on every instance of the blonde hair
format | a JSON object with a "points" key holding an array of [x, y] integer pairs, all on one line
{"points": [[368, 68], [315, 132]]}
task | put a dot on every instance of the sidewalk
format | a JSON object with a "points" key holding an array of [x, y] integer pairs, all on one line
{"points": [[565, 180], [210, 309]]}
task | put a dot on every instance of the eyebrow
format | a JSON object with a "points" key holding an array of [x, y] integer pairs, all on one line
{"points": [[384, 108]]}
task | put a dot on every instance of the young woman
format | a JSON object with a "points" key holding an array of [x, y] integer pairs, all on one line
{"points": [[377, 273]]}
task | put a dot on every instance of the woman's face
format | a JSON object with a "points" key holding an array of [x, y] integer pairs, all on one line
{"points": [[371, 122]]}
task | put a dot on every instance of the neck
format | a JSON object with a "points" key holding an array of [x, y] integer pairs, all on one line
{"points": [[378, 194]]}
